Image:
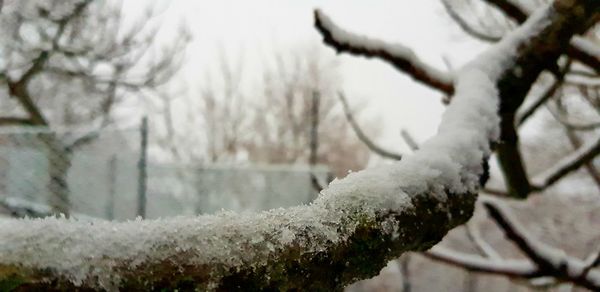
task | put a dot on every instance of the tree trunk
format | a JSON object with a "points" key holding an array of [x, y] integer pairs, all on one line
{"points": [[59, 162]]}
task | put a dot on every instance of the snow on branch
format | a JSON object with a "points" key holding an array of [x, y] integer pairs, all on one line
{"points": [[549, 261], [573, 161], [361, 134], [510, 268], [466, 26], [580, 49], [399, 56], [348, 233], [544, 260], [484, 248], [525, 112]]}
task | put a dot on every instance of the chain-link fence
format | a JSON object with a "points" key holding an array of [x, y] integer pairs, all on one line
{"points": [[176, 189], [104, 174], [69, 171]]}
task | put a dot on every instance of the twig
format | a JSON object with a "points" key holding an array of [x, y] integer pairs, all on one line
{"points": [[573, 161], [361, 135], [549, 261], [399, 56], [466, 27], [409, 140]]}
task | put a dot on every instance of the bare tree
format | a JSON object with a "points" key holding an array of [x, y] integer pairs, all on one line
{"points": [[358, 223], [72, 62], [272, 124]]}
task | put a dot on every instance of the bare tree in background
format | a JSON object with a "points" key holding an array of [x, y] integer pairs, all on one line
{"points": [[71, 63], [271, 124]]}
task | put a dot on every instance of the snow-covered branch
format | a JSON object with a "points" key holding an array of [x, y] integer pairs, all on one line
{"points": [[549, 261], [580, 49], [484, 248], [348, 233], [544, 260], [527, 111], [361, 134], [399, 56], [510, 268], [573, 161]]}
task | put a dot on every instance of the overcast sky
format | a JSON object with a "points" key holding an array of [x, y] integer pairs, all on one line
{"points": [[250, 27]]}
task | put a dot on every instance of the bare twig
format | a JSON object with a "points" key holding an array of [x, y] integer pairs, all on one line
{"points": [[9, 121], [525, 113], [314, 140], [544, 261], [510, 268], [549, 261], [362, 136], [484, 248], [573, 161], [466, 27], [589, 166], [409, 140]]}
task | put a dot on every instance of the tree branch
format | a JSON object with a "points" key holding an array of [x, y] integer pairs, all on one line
{"points": [[362, 136], [509, 268], [579, 48], [484, 248], [549, 261], [409, 140], [572, 162], [399, 56], [10, 121], [524, 113], [590, 167], [466, 27], [349, 232]]}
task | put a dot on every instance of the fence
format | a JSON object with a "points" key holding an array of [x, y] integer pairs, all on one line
{"points": [[104, 174], [72, 171]]}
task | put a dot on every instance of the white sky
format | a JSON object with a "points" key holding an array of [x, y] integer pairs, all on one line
{"points": [[251, 27]]}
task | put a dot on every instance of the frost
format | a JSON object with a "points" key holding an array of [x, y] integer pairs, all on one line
{"points": [[589, 47], [448, 164], [398, 51]]}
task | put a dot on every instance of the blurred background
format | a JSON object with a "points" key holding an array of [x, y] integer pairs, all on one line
{"points": [[122, 109]]}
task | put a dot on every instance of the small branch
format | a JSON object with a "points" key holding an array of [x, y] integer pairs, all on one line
{"points": [[590, 167], [409, 140], [510, 9], [466, 27], [83, 140], [549, 261], [399, 56], [525, 113], [509, 268], [580, 49], [485, 248], [581, 156], [361, 135], [572, 125], [314, 140], [15, 121]]}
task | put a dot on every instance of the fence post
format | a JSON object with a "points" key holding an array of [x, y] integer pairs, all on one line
{"points": [[142, 168], [112, 183]]}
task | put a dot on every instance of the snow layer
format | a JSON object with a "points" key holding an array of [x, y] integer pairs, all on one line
{"points": [[449, 164], [396, 50], [591, 48]]}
